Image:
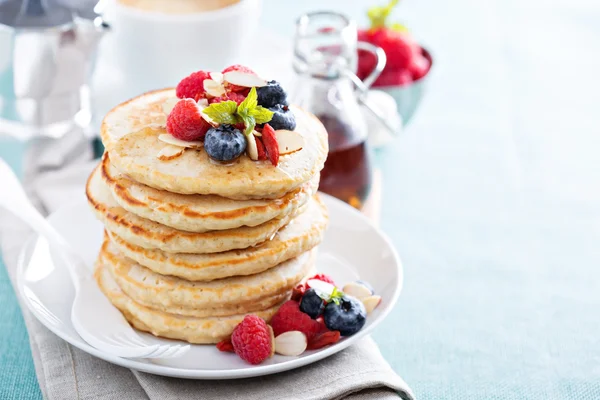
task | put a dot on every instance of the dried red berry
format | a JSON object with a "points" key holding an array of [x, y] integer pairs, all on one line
{"points": [[270, 142], [323, 339]]}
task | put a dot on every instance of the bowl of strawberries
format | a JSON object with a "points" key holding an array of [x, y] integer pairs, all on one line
{"points": [[408, 64]]}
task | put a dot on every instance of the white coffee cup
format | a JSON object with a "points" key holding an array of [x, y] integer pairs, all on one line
{"points": [[155, 49]]}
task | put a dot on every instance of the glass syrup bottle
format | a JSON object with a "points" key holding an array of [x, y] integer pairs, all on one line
{"points": [[325, 60]]}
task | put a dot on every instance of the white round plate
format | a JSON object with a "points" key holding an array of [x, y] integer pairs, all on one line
{"points": [[352, 249]]}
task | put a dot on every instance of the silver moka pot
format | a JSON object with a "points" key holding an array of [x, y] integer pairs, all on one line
{"points": [[47, 54]]}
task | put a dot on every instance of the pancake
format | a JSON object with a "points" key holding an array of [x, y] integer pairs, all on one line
{"points": [[223, 297], [130, 133], [152, 235], [190, 329], [199, 213], [302, 234]]}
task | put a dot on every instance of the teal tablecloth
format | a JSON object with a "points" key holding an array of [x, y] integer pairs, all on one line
{"points": [[492, 199]]}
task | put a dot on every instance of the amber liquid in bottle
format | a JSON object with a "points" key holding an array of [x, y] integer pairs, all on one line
{"points": [[347, 171]]}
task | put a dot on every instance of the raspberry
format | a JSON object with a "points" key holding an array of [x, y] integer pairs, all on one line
{"points": [[185, 122], [253, 340], [323, 339], [192, 86], [238, 97], [236, 88], [225, 346], [290, 318], [321, 277], [238, 67], [270, 142]]}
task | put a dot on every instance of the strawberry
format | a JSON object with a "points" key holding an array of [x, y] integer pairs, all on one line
{"points": [[399, 47], [260, 147], [192, 86], [323, 339], [225, 346], [419, 67], [393, 77], [270, 142], [185, 122]]}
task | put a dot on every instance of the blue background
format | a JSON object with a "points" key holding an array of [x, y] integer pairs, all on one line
{"points": [[491, 197]]}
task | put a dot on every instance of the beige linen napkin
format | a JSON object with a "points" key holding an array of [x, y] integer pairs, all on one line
{"points": [[64, 372]]}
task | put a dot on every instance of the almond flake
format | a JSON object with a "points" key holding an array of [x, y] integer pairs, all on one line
{"points": [[213, 88], [288, 141], [173, 141], [357, 290], [168, 105], [251, 149], [244, 79], [217, 77], [371, 303], [170, 152], [291, 343]]}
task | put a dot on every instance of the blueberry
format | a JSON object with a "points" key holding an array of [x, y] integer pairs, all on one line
{"points": [[348, 317], [283, 118], [271, 95], [312, 304], [224, 143]]}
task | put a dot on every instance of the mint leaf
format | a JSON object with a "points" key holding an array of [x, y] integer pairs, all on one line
{"points": [[251, 113], [378, 15], [262, 115], [398, 27], [249, 122], [336, 295], [250, 102], [223, 112]]}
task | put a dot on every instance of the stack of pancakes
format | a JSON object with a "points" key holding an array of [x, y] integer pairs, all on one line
{"points": [[191, 246]]}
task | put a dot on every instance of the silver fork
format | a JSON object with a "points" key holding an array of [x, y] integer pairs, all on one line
{"points": [[95, 319]]}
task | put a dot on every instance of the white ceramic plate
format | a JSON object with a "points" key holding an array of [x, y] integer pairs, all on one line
{"points": [[352, 249]]}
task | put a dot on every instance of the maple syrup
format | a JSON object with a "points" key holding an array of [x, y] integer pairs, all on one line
{"points": [[347, 171], [325, 50]]}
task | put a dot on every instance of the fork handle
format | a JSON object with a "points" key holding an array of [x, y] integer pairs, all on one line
{"points": [[14, 199]]}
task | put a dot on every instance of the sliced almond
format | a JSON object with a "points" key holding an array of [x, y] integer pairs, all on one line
{"points": [[208, 119], [168, 105], [288, 141], [371, 303], [172, 140], [292, 343], [322, 288], [202, 103], [170, 152], [244, 79], [256, 133], [213, 88], [357, 290], [217, 77], [251, 148]]}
